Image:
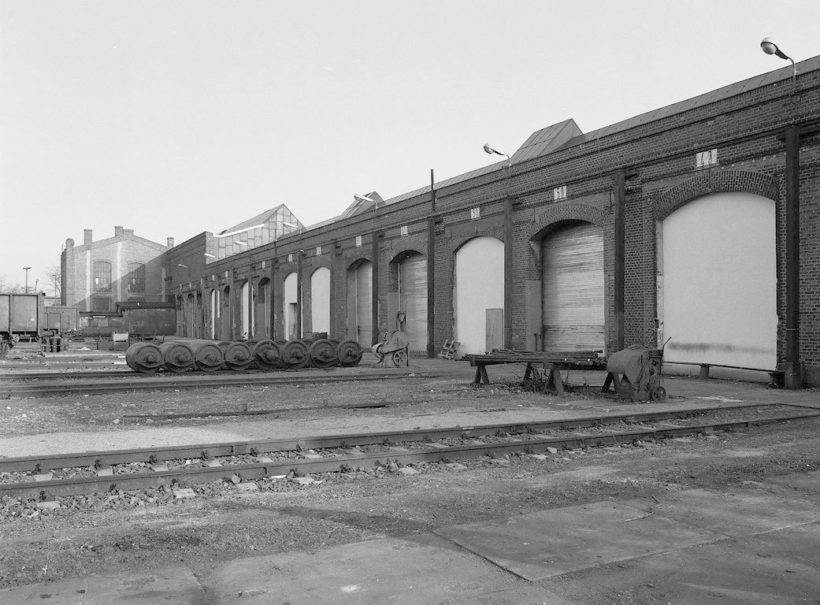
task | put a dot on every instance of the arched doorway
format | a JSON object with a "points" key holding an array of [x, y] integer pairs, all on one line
{"points": [[290, 310], [246, 319], [573, 299], [360, 302], [411, 270], [320, 300], [262, 309], [190, 314], [213, 311], [717, 281], [225, 332], [479, 295]]}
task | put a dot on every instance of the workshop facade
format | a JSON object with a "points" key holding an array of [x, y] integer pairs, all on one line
{"points": [[694, 226]]}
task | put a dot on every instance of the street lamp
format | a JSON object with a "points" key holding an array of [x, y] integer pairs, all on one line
{"points": [[492, 150], [26, 270], [770, 48]]}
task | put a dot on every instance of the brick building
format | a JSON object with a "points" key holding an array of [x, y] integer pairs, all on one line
{"points": [[697, 222], [98, 274]]}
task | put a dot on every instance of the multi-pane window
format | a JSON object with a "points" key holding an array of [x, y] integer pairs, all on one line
{"points": [[136, 278], [100, 304], [102, 276]]}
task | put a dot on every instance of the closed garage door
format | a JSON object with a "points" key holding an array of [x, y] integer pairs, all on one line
{"points": [[360, 303], [413, 300], [717, 281], [573, 288]]}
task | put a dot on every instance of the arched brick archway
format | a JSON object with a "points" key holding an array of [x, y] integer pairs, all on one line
{"points": [[549, 218], [559, 234], [714, 181], [407, 296], [716, 282]]}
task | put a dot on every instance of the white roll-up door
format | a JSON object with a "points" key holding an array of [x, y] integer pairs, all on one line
{"points": [[717, 281], [413, 300], [225, 313], [479, 295], [573, 288], [360, 304], [320, 300], [262, 309]]}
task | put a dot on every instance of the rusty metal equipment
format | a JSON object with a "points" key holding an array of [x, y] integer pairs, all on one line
{"points": [[636, 374], [393, 350]]}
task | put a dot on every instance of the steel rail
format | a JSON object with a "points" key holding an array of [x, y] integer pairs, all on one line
{"points": [[251, 471], [68, 374], [136, 382], [150, 454]]}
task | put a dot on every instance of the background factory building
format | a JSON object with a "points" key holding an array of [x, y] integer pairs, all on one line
{"points": [[695, 224], [96, 275]]}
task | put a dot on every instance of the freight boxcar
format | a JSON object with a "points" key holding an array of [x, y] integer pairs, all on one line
{"points": [[22, 317], [61, 320]]}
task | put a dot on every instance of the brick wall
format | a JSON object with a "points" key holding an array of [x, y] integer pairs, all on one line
{"points": [[743, 123]]}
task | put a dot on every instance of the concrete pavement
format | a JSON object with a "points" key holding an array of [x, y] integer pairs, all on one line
{"points": [[758, 547]]}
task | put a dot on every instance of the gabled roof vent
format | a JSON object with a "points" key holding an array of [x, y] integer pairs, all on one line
{"points": [[546, 140]]}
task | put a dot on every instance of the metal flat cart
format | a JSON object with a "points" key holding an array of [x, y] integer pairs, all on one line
{"points": [[551, 361]]}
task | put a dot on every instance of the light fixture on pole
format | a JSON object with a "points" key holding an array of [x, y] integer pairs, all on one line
{"points": [[492, 150], [770, 48], [361, 198], [26, 270]]}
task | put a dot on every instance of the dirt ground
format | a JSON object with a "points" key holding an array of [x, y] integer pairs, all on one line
{"points": [[119, 532]]}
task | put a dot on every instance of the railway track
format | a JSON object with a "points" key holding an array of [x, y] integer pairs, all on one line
{"points": [[52, 476], [55, 384]]}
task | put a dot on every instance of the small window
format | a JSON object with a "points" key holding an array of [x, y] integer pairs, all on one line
{"points": [[475, 213], [559, 193], [358, 241], [706, 158], [404, 230]]}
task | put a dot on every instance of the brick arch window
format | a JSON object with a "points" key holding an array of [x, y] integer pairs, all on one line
{"points": [[102, 276]]}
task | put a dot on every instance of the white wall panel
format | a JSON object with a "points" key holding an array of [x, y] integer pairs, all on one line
{"points": [[479, 285], [245, 310], [289, 311], [320, 300], [717, 281]]}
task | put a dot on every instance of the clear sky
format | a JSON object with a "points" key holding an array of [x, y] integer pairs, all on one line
{"points": [[177, 117]]}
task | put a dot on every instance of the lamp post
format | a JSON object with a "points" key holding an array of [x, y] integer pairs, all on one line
{"points": [[492, 150], [770, 48], [26, 269], [508, 248], [793, 378]]}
